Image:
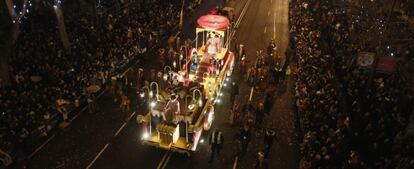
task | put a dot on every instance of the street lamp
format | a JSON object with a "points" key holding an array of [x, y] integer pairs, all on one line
{"points": [[167, 70], [151, 93], [200, 101], [142, 93]]}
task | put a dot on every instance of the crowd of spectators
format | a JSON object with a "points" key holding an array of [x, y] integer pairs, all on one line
{"points": [[48, 82], [350, 117]]}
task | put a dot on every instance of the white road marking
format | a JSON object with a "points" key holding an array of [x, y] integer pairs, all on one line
{"points": [[235, 162], [132, 115], [251, 94], [119, 130], [41, 146], [268, 13], [97, 156], [123, 125], [265, 29], [161, 164], [166, 161], [240, 18]]}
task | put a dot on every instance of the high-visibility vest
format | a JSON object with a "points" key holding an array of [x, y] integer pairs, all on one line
{"points": [[213, 139]]}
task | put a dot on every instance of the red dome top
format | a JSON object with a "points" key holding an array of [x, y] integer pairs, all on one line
{"points": [[213, 22]]}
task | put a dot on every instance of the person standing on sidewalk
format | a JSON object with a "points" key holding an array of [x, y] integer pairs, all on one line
{"points": [[216, 142], [269, 136], [245, 137]]}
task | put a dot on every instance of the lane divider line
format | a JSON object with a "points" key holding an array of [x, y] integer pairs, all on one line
{"points": [[235, 162], [166, 161], [161, 164], [120, 129], [132, 115], [239, 19], [97, 156], [124, 124], [265, 29], [41, 146]]}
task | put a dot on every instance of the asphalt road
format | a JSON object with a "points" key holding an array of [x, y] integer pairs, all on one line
{"points": [[105, 141]]}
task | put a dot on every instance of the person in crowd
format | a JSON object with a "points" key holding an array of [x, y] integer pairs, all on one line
{"points": [[216, 141], [38, 78], [242, 65], [244, 137], [92, 103], [140, 81], [5, 159], [271, 48], [269, 136], [260, 161], [260, 115], [234, 114], [125, 105], [325, 61], [267, 105], [233, 92]]}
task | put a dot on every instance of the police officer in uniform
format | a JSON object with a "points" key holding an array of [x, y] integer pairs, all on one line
{"points": [[216, 143]]}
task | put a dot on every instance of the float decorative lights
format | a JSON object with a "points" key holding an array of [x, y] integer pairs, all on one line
{"points": [[200, 102], [167, 70], [218, 101], [210, 117], [152, 104], [145, 135]]}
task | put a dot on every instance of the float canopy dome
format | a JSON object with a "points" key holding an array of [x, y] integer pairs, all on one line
{"points": [[215, 22]]}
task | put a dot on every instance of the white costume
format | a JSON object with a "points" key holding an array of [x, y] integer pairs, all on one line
{"points": [[172, 109], [213, 45]]}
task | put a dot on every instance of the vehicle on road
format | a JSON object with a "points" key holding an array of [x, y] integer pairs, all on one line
{"points": [[181, 105]]}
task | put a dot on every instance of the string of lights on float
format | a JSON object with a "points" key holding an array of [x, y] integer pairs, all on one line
{"points": [[56, 4], [23, 12]]}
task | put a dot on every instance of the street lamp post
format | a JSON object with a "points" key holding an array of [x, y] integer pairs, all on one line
{"points": [[156, 94]]}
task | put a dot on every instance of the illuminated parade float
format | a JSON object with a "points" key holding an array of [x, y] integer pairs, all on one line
{"points": [[181, 106]]}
